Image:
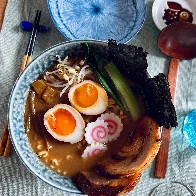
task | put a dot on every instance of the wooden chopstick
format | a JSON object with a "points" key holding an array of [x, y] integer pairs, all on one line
{"points": [[3, 4], [4, 138], [162, 156], [5, 143]]}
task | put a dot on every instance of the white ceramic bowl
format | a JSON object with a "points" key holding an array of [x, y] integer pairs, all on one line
{"points": [[179, 6]]}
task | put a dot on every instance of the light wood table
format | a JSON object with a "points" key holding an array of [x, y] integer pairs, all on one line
{"points": [[3, 4]]}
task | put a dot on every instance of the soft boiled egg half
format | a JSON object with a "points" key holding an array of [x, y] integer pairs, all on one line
{"points": [[64, 123], [88, 97]]}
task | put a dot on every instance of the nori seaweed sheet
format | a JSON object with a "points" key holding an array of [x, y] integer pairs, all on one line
{"points": [[131, 60], [157, 98]]}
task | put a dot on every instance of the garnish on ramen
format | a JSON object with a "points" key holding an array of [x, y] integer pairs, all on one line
{"points": [[64, 123], [88, 97]]}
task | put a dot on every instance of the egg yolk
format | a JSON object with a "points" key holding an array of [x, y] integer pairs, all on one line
{"points": [[85, 95], [62, 122]]}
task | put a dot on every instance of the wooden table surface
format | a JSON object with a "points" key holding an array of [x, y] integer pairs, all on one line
{"points": [[2, 9]]}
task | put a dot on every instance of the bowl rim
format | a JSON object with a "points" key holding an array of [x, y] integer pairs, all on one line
{"points": [[10, 109], [128, 38]]}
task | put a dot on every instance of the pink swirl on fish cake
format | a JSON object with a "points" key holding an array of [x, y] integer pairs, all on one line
{"points": [[97, 132], [93, 149]]}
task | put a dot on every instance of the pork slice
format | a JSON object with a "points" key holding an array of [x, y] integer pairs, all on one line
{"points": [[131, 148], [145, 145], [134, 180], [94, 184]]}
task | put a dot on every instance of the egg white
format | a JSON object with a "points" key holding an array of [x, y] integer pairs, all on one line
{"points": [[78, 132], [98, 107]]}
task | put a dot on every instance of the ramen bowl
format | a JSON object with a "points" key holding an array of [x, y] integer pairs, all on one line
{"points": [[18, 122]]}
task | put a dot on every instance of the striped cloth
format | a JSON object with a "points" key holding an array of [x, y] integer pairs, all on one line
{"points": [[15, 179]]}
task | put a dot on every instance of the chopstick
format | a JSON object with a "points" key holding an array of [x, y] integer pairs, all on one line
{"points": [[30, 48], [5, 143]]}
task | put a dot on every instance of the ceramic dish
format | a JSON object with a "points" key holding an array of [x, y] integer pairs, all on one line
{"points": [[98, 19], [165, 12], [16, 119]]}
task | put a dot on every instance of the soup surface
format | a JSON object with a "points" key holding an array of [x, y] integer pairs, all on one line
{"points": [[63, 157]]}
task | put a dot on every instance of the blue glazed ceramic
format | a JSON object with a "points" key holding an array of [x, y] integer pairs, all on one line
{"points": [[16, 116], [189, 128], [98, 19]]}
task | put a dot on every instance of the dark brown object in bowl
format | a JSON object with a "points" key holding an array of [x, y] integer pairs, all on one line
{"points": [[94, 184], [176, 13]]}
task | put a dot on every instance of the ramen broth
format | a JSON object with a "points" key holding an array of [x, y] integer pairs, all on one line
{"points": [[64, 158]]}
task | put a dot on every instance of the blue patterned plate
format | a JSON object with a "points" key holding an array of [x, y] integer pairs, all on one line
{"points": [[120, 20], [16, 116]]}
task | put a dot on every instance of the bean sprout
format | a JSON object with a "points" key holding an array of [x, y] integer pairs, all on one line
{"points": [[68, 75]]}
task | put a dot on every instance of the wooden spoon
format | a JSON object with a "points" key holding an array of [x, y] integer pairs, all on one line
{"points": [[179, 42]]}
